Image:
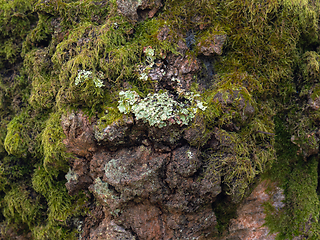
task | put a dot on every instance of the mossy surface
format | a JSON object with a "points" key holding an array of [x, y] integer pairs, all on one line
{"points": [[269, 66], [299, 179], [16, 20]]}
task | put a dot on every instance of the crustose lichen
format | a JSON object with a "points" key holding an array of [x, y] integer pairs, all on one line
{"points": [[160, 109]]}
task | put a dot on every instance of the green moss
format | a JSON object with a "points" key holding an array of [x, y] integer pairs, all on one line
{"points": [[17, 140], [19, 208], [315, 92], [22, 137], [207, 37], [46, 181], [224, 211], [299, 179], [185, 15], [54, 150], [3, 133], [54, 232], [14, 170], [112, 64], [40, 35], [16, 18], [266, 40], [110, 115], [60, 206], [310, 66], [13, 142], [73, 12], [147, 35], [14, 92], [44, 85], [3, 178], [245, 152]]}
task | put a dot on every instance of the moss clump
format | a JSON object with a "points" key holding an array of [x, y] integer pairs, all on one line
{"points": [[14, 143], [315, 92], [299, 179], [20, 208], [16, 17], [60, 206], [13, 170], [38, 68], [22, 135], [54, 152], [240, 159], [310, 66], [110, 115]]}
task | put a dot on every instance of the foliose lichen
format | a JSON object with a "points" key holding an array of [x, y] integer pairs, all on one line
{"points": [[150, 57], [84, 75], [159, 109]]}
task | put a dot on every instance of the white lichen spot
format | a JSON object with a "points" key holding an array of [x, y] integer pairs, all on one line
{"points": [[149, 52], [189, 154], [71, 175], [84, 75], [144, 76]]}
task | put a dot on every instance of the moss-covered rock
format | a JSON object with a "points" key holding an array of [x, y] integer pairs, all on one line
{"points": [[63, 64]]}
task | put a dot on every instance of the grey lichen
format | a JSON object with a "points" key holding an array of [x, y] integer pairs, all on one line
{"points": [[160, 109], [85, 75], [106, 196], [150, 57], [71, 176]]}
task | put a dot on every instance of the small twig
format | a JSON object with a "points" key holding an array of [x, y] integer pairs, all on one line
{"points": [[266, 133]]}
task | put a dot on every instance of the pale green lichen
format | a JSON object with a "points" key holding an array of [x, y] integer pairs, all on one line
{"points": [[149, 51], [71, 175], [150, 57], [85, 75], [160, 109], [190, 154], [143, 76], [127, 99]]}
